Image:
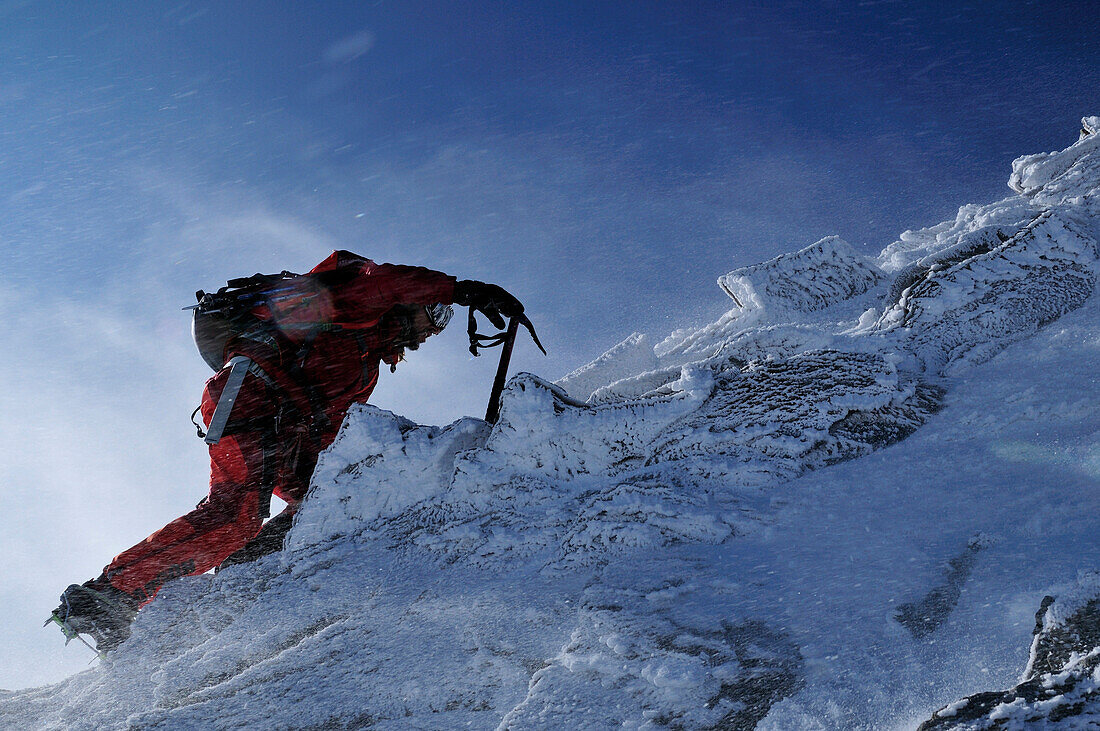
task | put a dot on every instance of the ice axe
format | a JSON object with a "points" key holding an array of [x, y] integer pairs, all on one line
{"points": [[506, 339]]}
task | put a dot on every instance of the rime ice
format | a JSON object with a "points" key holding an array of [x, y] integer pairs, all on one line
{"points": [[716, 531]]}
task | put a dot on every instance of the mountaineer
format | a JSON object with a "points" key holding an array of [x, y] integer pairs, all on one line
{"points": [[291, 353]]}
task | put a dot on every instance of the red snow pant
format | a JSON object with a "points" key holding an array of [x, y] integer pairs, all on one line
{"points": [[265, 449]]}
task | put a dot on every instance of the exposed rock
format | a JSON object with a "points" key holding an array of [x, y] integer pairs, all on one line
{"points": [[1059, 640], [988, 293], [1061, 685], [923, 617]]}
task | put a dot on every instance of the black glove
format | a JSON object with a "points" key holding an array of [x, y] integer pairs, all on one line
{"points": [[489, 299]]}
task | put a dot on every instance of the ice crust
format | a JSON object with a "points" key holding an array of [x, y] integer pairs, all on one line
{"points": [[586, 562], [631, 356], [806, 281]]}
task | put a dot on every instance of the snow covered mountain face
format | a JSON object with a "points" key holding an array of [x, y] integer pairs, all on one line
{"points": [[838, 506]]}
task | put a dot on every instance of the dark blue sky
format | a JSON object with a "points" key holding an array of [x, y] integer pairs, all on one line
{"points": [[633, 146]]}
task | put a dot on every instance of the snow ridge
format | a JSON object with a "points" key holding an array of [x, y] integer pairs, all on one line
{"points": [[803, 282], [568, 566]]}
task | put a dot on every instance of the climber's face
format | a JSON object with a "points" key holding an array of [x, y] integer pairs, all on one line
{"points": [[423, 326], [416, 327]]}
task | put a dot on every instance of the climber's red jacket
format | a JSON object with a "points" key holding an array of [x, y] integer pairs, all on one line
{"points": [[280, 422], [341, 363]]}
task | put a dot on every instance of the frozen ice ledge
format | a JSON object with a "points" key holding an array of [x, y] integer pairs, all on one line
{"points": [[549, 571]]}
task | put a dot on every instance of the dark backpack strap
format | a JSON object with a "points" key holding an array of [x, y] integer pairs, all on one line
{"points": [[290, 360], [319, 423]]}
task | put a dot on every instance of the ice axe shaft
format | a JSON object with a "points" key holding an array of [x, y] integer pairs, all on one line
{"points": [[493, 412]]}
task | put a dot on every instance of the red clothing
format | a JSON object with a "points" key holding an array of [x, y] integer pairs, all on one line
{"points": [[341, 364], [277, 430]]}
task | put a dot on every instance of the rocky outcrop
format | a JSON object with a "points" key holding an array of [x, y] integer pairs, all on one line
{"points": [[993, 286], [1060, 687]]}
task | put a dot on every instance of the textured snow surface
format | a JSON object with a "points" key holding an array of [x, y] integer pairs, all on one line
{"points": [[802, 282], [681, 535], [633, 355]]}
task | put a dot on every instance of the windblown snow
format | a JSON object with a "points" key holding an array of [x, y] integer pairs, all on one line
{"points": [[838, 506]]}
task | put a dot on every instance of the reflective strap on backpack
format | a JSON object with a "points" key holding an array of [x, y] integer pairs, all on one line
{"points": [[239, 367]]}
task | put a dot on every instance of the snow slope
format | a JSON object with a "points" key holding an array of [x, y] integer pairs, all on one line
{"points": [[838, 506]]}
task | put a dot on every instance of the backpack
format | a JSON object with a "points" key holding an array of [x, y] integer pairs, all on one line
{"points": [[270, 308]]}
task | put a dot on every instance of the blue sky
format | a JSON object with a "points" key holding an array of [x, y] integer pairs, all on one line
{"points": [[605, 161]]}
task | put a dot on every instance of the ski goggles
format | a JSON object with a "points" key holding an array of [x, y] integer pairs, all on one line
{"points": [[439, 315]]}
